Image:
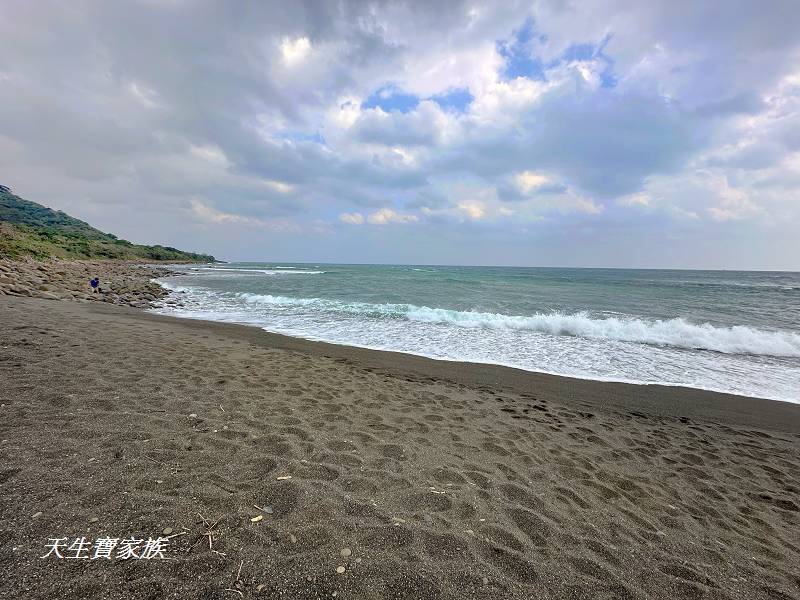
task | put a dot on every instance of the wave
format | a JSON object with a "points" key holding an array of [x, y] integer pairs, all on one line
{"points": [[266, 271], [677, 332]]}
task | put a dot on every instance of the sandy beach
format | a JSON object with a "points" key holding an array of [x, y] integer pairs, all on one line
{"points": [[375, 475]]}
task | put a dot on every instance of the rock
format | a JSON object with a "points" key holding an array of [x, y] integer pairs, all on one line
{"points": [[36, 515], [340, 569], [21, 290], [345, 552], [93, 520], [167, 530], [268, 510]]}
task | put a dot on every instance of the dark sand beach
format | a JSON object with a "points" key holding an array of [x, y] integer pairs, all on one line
{"points": [[416, 478]]}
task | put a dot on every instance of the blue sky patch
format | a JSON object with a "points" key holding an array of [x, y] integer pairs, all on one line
{"points": [[391, 99], [518, 54], [457, 99]]}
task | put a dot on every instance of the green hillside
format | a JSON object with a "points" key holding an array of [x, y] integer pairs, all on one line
{"points": [[30, 229]]}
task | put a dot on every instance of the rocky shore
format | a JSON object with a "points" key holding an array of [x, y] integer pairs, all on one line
{"points": [[121, 282]]}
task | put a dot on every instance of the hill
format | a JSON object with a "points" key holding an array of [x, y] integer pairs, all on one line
{"points": [[30, 229]]}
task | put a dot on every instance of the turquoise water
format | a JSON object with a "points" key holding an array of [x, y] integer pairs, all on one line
{"points": [[729, 331]]}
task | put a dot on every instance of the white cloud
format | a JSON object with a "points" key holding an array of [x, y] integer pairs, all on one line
{"points": [[607, 113], [385, 216], [209, 214], [295, 51], [352, 218], [528, 181]]}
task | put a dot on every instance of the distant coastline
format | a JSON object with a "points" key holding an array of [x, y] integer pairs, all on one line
{"points": [[28, 229]]}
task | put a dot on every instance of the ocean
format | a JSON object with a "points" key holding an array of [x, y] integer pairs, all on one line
{"points": [[729, 331]]}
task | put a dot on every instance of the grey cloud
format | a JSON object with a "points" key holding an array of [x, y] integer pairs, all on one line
{"points": [[101, 104]]}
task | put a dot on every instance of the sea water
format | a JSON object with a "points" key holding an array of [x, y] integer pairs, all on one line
{"points": [[731, 331]]}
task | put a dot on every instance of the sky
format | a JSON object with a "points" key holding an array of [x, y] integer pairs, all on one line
{"points": [[592, 133]]}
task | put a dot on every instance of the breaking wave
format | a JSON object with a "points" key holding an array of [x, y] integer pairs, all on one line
{"points": [[670, 332], [274, 271]]}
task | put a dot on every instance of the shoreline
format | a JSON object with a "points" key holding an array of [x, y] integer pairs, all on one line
{"points": [[658, 399], [153, 310], [333, 471]]}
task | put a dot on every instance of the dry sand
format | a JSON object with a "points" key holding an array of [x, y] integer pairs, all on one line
{"points": [[444, 480]]}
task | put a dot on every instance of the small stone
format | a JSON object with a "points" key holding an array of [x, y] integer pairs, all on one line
{"points": [[345, 552], [167, 530], [260, 586], [193, 416], [36, 515], [485, 581], [93, 520], [292, 538], [268, 510], [256, 519], [358, 560], [309, 578], [340, 569]]}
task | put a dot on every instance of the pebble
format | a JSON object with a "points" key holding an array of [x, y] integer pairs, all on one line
{"points": [[485, 581], [167, 531], [345, 552], [340, 569], [309, 578], [292, 538], [93, 520], [358, 560], [268, 510], [193, 416], [36, 515]]}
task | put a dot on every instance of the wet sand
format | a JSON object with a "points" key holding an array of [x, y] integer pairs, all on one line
{"points": [[443, 480]]}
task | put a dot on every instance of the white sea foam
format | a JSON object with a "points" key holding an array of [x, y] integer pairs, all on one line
{"points": [[266, 271], [670, 332]]}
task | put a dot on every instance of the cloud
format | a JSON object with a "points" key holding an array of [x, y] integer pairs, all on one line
{"points": [[477, 120], [294, 51], [383, 216], [352, 218], [528, 181], [387, 215], [209, 214]]}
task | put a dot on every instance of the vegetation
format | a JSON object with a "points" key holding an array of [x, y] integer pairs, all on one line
{"points": [[30, 229]]}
